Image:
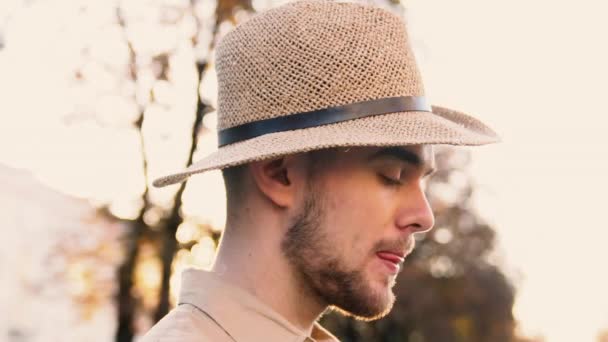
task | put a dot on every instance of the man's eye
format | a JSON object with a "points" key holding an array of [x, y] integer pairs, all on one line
{"points": [[393, 178]]}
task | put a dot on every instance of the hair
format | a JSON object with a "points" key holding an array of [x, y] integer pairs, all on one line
{"points": [[235, 184]]}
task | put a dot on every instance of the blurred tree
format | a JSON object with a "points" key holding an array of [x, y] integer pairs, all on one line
{"points": [[160, 235], [57, 262]]}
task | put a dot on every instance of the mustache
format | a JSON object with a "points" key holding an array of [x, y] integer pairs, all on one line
{"points": [[405, 245]]}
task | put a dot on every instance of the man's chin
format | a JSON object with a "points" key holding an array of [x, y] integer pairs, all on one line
{"points": [[366, 317], [372, 308]]}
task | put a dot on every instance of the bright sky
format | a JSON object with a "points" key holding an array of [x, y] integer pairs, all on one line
{"points": [[535, 71]]}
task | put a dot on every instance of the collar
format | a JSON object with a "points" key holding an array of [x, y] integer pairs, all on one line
{"points": [[240, 313]]}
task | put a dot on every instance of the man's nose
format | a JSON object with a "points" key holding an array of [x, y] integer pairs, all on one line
{"points": [[415, 212]]}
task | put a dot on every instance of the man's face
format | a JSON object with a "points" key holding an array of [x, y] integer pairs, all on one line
{"points": [[356, 224]]}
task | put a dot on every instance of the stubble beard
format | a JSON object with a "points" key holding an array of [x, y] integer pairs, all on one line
{"points": [[319, 266]]}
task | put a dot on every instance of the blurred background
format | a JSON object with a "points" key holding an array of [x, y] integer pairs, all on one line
{"points": [[98, 98]]}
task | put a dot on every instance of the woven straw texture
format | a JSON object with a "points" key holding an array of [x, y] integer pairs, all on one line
{"points": [[313, 54], [310, 55]]}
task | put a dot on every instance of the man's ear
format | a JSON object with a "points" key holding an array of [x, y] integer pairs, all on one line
{"points": [[278, 179]]}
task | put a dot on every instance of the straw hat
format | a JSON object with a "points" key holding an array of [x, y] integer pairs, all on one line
{"points": [[314, 74]]}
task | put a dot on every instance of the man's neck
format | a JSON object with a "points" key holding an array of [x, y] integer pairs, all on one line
{"points": [[255, 263]]}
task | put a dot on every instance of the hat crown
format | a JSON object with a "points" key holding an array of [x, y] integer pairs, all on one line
{"points": [[312, 54]]}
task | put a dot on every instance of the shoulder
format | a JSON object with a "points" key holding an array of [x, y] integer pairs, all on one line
{"points": [[184, 324]]}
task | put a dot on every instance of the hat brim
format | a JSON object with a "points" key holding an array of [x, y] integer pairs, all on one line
{"points": [[442, 126]]}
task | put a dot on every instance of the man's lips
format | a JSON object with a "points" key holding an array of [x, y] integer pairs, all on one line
{"points": [[394, 257], [392, 260]]}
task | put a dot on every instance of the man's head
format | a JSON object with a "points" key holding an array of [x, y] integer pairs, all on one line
{"points": [[347, 217]]}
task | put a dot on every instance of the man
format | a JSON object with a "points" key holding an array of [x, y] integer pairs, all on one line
{"points": [[325, 142]]}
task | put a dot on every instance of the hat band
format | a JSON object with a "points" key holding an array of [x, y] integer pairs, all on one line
{"points": [[324, 116]]}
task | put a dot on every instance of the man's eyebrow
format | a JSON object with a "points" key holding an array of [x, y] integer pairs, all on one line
{"points": [[399, 153], [403, 155]]}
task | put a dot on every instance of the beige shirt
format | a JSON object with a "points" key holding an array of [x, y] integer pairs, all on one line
{"points": [[209, 309]]}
